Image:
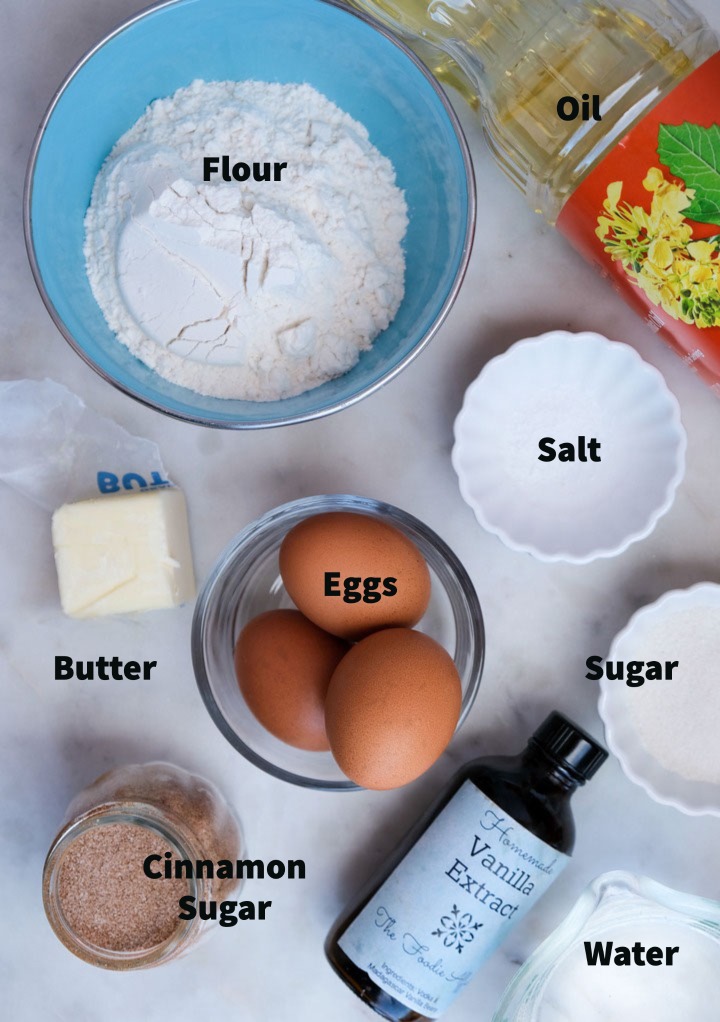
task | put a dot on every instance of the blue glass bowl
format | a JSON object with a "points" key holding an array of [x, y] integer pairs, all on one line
{"points": [[346, 56]]}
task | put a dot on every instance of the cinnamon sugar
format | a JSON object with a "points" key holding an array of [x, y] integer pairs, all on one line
{"points": [[105, 896]]}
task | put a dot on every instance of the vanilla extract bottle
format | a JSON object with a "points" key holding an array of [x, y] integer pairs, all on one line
{"points": [[470, 869]]}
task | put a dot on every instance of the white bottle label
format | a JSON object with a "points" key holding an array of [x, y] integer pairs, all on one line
{"points": [[455, 896]]}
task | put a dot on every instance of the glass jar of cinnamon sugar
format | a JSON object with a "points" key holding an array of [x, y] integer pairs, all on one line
{"points": [[104, 891]]}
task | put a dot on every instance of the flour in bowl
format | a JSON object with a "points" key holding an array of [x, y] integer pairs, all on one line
{"points": [[246, 288]]}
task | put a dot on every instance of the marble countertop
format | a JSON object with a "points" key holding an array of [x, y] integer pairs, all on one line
{"points": [[542, 620]]}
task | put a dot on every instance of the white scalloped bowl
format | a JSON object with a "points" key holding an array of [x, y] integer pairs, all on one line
{"points": [[565, 385], [618, 705]]}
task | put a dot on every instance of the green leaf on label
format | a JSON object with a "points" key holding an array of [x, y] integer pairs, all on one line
{"points": [[693, 154]]}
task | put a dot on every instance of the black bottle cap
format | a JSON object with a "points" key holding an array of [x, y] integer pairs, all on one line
{"points": [[570, 746]]}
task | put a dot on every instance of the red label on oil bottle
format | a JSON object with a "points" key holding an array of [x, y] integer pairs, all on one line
{"points": [[649, 216]]}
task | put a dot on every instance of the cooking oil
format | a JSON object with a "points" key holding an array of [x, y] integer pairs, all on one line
{"points": [[428, 30], [606, 113], [516, 59]]}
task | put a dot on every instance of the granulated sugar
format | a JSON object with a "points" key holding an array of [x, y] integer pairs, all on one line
{"points": [[105, 896], [677, 720]]}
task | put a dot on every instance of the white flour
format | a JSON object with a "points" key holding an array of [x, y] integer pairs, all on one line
{"points": [[259, 289]]}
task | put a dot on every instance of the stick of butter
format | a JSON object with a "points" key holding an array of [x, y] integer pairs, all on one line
{"points": [[123, 553]]}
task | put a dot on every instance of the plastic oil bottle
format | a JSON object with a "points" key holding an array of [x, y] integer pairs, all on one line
{"points": [[606, 113]]}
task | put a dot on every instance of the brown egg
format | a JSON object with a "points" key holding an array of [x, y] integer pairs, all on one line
{"points": [[392, 707], [352, 574], [284, 664]]}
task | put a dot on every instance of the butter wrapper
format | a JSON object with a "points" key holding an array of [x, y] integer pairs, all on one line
{"points": [[55, 450]]}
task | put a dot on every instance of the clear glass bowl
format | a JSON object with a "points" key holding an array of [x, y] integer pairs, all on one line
{"points": [[623, 908], [246, 582]]}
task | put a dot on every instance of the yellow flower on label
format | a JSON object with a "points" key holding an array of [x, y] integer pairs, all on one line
{"points": [[699, 274], [701, 251], [640, 218], [660, 253], [657, 252], [613, 196], [604, 225], [670, 201], [653, 179]]}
